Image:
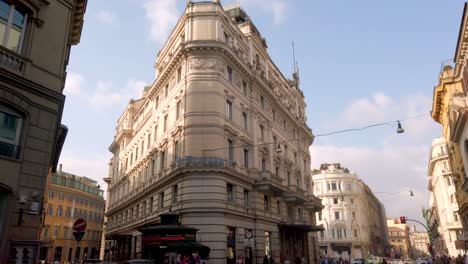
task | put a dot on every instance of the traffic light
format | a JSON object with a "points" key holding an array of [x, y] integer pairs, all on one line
{"points": [[403, 219]]}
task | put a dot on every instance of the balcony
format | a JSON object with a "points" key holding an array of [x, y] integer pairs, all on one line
{"points": [[454, 225], [11, 60], [9, 150], [295, 195], [314, 203], [270, 183]]}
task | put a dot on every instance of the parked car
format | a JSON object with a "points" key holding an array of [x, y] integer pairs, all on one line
{"points": [[359, 261]]}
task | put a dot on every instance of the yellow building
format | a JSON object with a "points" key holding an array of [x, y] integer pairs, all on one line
{"points": [[449, 109], [70, 197], [399, 239]]}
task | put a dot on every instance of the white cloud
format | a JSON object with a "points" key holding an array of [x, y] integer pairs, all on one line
{"points": [[105, 95], [73, 84], [162, 16], [388, 162], [277, 8], [106, 17]]}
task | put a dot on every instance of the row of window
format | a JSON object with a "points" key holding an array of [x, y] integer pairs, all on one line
{"points": [[75, 214], [267, 206], [338, 215], [342, 186], [230, 77], [341, 233], [146, 207], [78, 200], [395, 233], [146, 143], [75, 183], [67, 233], [157, 164]]}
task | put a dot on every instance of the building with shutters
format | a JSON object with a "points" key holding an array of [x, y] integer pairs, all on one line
{"points": [[36, 37], [399, 239], [220, 138], [352, 217], [70, 197]]}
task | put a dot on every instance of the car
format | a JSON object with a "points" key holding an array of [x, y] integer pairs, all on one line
{"points": [[140, 261], [359, 261]]}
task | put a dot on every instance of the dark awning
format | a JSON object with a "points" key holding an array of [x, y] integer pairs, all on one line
{"points": [[187, 246], [302, 227]]}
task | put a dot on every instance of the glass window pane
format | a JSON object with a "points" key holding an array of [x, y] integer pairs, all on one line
{"points": [[2, 30], [4, 10], [14, 39], [18, 18], [8, 126]]}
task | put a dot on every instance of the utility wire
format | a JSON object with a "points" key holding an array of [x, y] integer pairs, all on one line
{"points": [[391, 123]]}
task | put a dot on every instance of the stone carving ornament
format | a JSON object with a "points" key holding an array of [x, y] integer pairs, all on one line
{"points": [[205, 64]]}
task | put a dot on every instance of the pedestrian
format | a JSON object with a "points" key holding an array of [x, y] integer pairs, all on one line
{"points": [[303, 261], [272, 260], [286, 260], [298, 260], [265, 260]]}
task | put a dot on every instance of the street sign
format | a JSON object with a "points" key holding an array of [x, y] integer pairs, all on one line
{"points": [[78, 235], [79, 225]]}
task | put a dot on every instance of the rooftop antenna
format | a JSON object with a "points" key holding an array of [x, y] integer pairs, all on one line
{"points": [[296, 70]]}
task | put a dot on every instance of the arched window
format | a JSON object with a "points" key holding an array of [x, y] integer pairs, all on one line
{"points": [[10, 131]]}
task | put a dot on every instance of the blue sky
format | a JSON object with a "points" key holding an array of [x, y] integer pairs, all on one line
{"points": [[361, 62]]}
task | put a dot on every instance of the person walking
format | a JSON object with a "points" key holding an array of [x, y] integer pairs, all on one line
{"points": [[265, 260]]}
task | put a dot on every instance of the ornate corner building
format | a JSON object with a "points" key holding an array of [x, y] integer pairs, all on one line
{"points": [[353, 218], [35, 42], [450, 109], [220, 138], [443, 219]]}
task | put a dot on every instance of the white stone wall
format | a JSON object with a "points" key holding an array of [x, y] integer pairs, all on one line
{"points": [[442, 191]]}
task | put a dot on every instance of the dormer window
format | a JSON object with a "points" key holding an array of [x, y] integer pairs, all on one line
{"points": [[12, 26]]}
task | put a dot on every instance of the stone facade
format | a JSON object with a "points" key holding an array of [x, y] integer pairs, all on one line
{"points": [[445, 223], [399, 238], [220, 138], [34, 51], [449, 108], [68, 198], [419, 242], [354, 219]]}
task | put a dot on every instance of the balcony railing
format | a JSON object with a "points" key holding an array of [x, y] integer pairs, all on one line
{"points": [[11, 60], [190, 161], [9, 150]]}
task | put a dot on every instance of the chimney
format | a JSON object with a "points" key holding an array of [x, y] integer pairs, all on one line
{"points": [[60, 169]]}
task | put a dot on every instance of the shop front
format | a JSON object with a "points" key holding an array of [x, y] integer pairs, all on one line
{"points": [[164, 242]]}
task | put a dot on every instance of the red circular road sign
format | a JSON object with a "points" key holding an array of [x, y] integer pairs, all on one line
{"points": [[79, 225]]}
